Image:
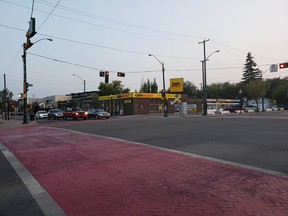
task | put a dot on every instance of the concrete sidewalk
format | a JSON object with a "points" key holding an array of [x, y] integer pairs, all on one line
{"points": [[94, 175]]}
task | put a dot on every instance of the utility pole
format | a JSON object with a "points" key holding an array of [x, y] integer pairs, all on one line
{"points": [[5, 97], [204, 92], [25, 113]]}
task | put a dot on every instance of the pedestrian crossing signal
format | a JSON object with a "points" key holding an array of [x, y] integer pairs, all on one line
{"points": [[102, 74]]}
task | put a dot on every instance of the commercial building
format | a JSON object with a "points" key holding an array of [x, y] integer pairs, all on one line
{"points": [[143, 103]]}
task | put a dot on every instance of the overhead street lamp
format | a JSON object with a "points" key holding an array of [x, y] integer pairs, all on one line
{"points": [[26, 46], [84, 83], [164, 89], [204, 78]]}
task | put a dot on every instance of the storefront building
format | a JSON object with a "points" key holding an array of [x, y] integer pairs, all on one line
{"points": [[139, 103]]}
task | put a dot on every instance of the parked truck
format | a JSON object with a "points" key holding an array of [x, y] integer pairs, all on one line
{"points": [[75, 113]]}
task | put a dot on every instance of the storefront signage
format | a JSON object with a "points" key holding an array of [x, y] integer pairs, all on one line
{"points": [[176, 85]]}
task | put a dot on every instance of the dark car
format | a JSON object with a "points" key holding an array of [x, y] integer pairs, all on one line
{"points": [[55, 114], [98, 113], [234, 108]]}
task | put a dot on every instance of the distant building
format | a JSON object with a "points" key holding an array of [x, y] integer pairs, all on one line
{"points": [[265, 103], [53, 101]]}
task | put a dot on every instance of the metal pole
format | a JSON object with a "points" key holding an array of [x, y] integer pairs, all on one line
{"points": [[25, 113], [165, 99], [5, 98]]}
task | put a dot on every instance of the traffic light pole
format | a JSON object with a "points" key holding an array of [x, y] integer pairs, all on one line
{"points": [[163, 95], [165, 99], [25, 113]]}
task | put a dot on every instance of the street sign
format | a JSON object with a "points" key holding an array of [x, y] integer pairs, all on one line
{"points": [[273, 68]]}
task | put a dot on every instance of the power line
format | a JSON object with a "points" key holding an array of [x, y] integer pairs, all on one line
{"points": [[106, 27], [48, 14], [100, 46], [118, 21], [142, 71]]}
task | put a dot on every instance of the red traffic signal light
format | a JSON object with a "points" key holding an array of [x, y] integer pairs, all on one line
{"points": [[120, 74], [106, 76], [283, 65]]}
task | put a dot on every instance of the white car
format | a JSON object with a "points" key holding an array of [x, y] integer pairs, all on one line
{"points": [[250, 108], [41, 114], [277, 108]]}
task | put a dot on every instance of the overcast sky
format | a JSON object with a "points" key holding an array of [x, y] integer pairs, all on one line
{"points": [[117, 35]]}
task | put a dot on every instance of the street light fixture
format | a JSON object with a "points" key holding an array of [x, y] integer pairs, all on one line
{"points": [[204, 78], [26, 46], [84, 83], [164, 90]]}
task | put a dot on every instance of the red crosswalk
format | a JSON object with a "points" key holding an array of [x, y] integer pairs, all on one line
{"points": [[94, 175]]}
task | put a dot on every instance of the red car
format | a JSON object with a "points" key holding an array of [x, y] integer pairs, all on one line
{"points": [[234, 108], [75, 113]]}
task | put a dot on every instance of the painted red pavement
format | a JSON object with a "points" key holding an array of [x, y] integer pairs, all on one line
{"points": [[92, 175]]}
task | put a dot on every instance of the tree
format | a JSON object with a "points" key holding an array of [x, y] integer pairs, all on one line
{"points": [[148, 87], [251, 72], [280, 94], [257, 89], [112, 88], [223, 90], [190, 89], [154, 87], [4, 93]]}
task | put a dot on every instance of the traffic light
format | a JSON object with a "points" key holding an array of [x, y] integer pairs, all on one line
{"points": [[28, 45], [120, 74], [26, 86], [283, 65], [31, 31], [106, 76], [163, 93], [101, 73]]}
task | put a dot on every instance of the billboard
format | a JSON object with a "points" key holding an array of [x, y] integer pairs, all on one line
{"points": [[176, 85]]}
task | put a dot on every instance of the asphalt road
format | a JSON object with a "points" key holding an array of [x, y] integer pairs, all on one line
{"points": [[254, 139]]}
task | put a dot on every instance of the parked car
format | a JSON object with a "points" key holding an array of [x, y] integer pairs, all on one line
{"points": [[98, 113], [277, 108], [41, 114], [55, 114], [234, 108], [250, 108]]}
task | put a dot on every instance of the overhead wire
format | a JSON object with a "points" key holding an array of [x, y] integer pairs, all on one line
{"points": [[48, 14]]}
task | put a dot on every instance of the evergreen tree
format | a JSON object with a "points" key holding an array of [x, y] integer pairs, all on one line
{"points": [[251, 72], [154, 87], [149, 87]]}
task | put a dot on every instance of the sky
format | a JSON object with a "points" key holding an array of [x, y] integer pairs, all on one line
{"points": [[118, 36]]}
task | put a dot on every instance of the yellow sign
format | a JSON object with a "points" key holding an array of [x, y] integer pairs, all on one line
{"points": [[176, 85]]}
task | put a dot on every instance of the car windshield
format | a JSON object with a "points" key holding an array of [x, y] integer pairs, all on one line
{"points": [[43, 112], [57, 111], [76, 109], [99, 110]]}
